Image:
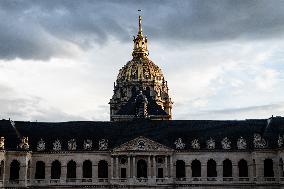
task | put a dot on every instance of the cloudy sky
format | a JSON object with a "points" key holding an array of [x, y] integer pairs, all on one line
{"points": [[222, 59]]}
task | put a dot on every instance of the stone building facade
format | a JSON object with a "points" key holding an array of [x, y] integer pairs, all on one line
{"points": [[141, 147]]}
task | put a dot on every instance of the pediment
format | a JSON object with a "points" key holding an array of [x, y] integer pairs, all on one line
{"points": [[141, 144]]}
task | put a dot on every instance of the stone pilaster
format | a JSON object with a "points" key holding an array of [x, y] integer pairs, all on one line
{"points": [[171, 167], [128, 167], [133, 167], [116, 167], [154, 167], [149, 167], [79, 171], [95, 172], [166, 167], [111, 168]]}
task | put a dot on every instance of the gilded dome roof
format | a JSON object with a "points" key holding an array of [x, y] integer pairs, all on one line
{"points": [[140, 70]]}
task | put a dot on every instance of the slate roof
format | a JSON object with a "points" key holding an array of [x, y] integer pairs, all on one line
{"points": [[164, 132]]}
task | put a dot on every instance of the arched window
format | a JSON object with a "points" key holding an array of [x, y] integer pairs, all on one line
{"points": [[268, 168], [103, 169], [243, 168], [180, 169], [40, 170], [14, 170], [2, 170], [141, 169], [281, 174], [71, 169], [211, 168], [196, 168], [87, 169], [227, 168], [55, 170]]}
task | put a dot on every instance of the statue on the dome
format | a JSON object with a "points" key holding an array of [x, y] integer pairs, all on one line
{"points": [[141, 105]]}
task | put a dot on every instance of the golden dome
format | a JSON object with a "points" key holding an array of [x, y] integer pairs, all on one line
{"points": [[140, 70], [140, 75]]}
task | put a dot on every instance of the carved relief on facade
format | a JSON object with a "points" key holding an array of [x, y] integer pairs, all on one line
{"points": [[57, 145], [258, 141], [195, 144], [103, 144], [210, 144], [241, 143], [88, 144], [2, 143], [72, 145], [226, 143], [179, 144], [24, 145], [142, 144], [280, 141], [40, 145]]}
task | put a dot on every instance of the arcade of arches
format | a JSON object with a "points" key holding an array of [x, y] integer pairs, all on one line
{"points": [[144, 167]]}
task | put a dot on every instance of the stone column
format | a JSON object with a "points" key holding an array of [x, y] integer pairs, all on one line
{"points": [[187, 171], [276, 169], [64, 173], [259, 169], [23, 174], [235, 171], [219, 171], [250, 170], [29, 170], [3, 171], [133, 167], [203, 170], [7, 171], [79, 171], [111, 168], [154, 167], [171, 167], [47, 172], [128, 167], [149, 167], [116, 167], [95, 172], [166, 167]]}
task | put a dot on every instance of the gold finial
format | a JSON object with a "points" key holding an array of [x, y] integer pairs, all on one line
{"points": [[140, 42], [140, 25]]}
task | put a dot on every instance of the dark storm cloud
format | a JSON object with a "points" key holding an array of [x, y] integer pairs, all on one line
{"points": [[41, 29]]}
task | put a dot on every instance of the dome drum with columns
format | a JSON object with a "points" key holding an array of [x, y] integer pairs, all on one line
{"points": [[140, 74]]}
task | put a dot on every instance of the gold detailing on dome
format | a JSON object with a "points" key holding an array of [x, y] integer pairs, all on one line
{"points": [[140, 49], [142, 70]]}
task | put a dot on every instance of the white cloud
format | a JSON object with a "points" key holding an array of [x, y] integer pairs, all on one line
{"points": [[202, 81]]}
